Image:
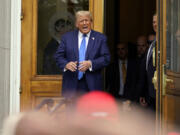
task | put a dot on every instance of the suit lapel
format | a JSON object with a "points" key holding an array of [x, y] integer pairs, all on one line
{"points": [[75, 46], [90, 43]]}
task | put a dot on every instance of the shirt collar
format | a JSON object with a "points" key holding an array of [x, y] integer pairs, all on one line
{"points": [[81, 34], [121, 61]]}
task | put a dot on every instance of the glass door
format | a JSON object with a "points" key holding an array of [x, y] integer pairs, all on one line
{"points": [[169, 65]]}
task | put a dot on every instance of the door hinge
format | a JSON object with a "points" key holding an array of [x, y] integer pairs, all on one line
{"points": [[22, 15], [20, 90]]}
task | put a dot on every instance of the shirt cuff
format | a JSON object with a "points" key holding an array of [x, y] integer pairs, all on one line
{"points": [[64, 70], [90, 68]]}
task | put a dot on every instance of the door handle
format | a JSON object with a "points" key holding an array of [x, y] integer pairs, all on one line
{"points": [[154, 80]]}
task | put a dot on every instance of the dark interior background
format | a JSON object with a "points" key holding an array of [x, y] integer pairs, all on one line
{"points": [[125, 20]]}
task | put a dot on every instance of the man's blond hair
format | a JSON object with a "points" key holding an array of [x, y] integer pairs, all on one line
{"points": [[83, 13]]}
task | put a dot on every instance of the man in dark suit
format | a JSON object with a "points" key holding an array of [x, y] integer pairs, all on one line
{"points": [[142, 47], [148, 74], [150, 69], [82, 54], [121, 85]]}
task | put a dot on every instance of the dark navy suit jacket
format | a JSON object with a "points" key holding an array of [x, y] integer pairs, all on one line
{"points": [[97, 51]]}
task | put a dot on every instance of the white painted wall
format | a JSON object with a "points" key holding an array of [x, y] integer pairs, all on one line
{"points": [[10, 34]]}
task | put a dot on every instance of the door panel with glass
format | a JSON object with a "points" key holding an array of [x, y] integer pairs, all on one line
{"points": [[43, 23], [170, 63]]}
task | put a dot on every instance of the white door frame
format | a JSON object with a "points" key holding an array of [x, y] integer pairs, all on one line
{"points": [[15, 56]]}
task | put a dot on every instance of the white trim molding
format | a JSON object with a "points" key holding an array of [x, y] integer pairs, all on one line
{"points": [[15, 56]]}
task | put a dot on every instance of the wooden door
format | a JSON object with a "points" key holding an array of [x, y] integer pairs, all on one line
{"points": [[169, 65], [41, 20]]}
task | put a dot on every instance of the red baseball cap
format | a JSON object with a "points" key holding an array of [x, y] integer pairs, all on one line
{"points": [[173, 133], [97, 104]]}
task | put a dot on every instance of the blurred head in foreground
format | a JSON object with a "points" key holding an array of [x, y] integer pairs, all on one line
{"points": [[96, 113], [31, 123]]}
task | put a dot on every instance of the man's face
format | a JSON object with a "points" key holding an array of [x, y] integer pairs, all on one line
{"points": [[84, 24], [151, 39], [155, 23], [122, 51], [141, 46]]}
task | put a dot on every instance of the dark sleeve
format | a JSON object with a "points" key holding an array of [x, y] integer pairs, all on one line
{"points": [[141, 86], [110, 79], [129, 88]]}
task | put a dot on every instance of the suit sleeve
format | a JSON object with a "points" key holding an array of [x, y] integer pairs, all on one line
{"points": [[141, 87], [60, 55], [104, 56]]}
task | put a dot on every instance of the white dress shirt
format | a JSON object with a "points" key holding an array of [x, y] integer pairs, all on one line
{"points": [[80, 38]]}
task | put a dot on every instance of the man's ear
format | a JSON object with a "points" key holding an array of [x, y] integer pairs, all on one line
{"points": [[91, 25], [76, 24]]}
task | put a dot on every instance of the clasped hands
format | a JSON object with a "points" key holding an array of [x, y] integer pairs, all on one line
{"points": [[83, 66]]}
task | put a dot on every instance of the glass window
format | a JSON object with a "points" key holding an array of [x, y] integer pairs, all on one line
{"points": [[55, 17], [173, 35]]}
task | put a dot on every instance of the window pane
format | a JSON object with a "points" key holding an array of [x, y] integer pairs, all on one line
{"points": [[173, 35], [55, 17]]}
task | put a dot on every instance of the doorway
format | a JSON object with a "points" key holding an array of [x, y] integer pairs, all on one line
{"points": [[125, 20]]}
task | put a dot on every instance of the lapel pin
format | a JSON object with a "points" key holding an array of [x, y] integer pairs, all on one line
{"points": [[93, 38]]}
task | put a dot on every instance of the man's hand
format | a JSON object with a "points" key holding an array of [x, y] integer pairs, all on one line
{"points": [[84, 65], [72, 66], [143, 101], [126, 105]]}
